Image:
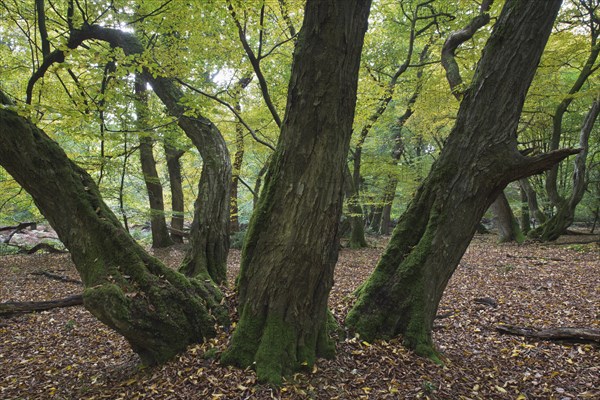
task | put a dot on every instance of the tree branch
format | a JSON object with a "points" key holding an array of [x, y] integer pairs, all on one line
{"points": [[255, 62], [457, 38]]}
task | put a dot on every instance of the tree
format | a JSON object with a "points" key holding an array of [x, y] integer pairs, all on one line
{"points": [[560, 221], [479, 159], [159, 311], [291, 245], [158, 224]]}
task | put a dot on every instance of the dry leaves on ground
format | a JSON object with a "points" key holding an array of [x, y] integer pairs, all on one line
{"points": [[68, 354]]}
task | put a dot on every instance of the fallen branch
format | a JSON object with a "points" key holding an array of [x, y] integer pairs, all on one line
{"points": [[13, 307], [56, 277], [578, 335], [43, 246], [17, 229]]}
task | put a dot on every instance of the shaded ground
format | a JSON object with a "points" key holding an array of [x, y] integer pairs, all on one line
{"points": [[68, 354]]}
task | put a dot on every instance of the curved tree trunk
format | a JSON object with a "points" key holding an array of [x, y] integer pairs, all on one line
{"points": [[157, 310], [158, 224], [506, 223], [292, 242], [177, 200], [558, 224], [479, 159], [585, 72]]}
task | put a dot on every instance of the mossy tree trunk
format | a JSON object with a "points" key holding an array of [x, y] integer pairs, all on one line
{"points": [[479, 159], [159, 311], [292, 242], [158, 224]]}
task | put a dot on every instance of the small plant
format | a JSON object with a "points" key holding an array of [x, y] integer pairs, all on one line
{"points": [[70, 325], [237, 239], [428, 386]]}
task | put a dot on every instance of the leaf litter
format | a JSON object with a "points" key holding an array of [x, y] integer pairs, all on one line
{"points": [[67, 354]]}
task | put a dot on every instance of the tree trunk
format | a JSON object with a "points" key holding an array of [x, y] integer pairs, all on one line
{"points": [[558, 224], [292, 242], [534, 208], [479, 159], [157, 310], [525, 216], [177, 200], [375, 223], [355, 213], [506, 223], [158, 224]]}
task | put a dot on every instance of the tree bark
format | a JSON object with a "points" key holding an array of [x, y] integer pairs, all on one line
{"points": [[506, 223], [173, 156], [479, 159], [158, 310], [292, 242], [158, 224]]}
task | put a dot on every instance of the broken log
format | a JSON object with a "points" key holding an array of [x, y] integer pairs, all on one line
{"points": [[577, 335], [13, 307], [17, 229], [43, 246]]}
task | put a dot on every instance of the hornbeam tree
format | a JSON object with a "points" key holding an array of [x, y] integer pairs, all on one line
{"points": [[159, 311], [292, 241], [479, 159]]}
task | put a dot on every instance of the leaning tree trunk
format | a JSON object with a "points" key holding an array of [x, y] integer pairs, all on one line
{"points": [[292, 242], [478, 161], [558, 224], [159, 311], [158, 224], [506, 223]]}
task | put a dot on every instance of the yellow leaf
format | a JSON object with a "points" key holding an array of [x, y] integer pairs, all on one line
{"points": [[500, 389], [521, 396]]}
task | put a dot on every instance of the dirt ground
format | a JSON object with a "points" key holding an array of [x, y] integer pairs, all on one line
{"points": [[67, 354]]}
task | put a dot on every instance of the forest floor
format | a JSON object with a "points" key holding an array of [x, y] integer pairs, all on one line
{"points": [[67, 354]]}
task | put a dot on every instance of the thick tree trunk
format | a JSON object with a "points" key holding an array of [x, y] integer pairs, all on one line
{"points": [[157, 310], [505, 221], [479, 159], [558, 224], [177, 200], [158, 224], [292, 242]]}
